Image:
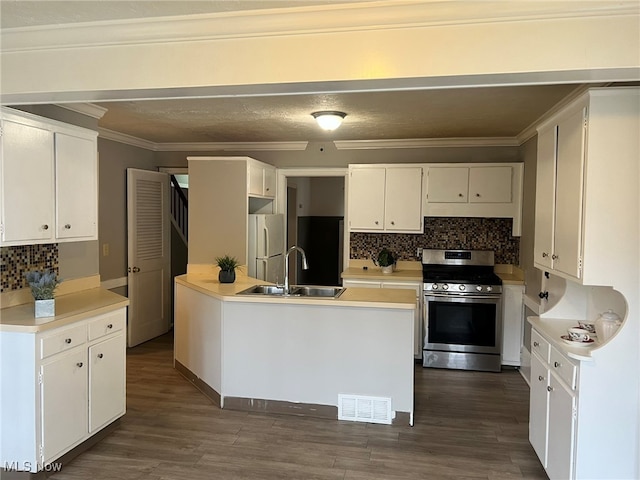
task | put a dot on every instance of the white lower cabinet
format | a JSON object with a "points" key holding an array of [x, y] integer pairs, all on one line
{"points": [[65, 384], [106, 381], [417, 286], [553, 409], [64, 401]]}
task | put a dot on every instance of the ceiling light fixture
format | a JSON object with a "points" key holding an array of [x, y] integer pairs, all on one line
{"points": [[329, 120]]}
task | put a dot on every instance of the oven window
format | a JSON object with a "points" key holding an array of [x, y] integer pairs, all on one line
{"points": [[462, 323]]}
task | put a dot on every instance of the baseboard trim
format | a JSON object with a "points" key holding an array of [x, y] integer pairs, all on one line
{"points": [[206, 390], [281, 407]]}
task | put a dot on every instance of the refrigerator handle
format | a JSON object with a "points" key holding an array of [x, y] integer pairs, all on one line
{"points": [[266, 241]]}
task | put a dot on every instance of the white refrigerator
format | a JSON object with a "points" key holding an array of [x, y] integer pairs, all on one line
{"points": [[266, 247]]}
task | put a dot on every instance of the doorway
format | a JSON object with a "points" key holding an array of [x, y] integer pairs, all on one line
{"points": [[315, 222]]}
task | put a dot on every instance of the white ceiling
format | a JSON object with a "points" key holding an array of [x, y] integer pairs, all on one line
{"points": [[441, 113]]}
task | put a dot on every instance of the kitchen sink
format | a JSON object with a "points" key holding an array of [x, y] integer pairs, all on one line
{"points": [[263, 290], [306, 291], [295, 291]]}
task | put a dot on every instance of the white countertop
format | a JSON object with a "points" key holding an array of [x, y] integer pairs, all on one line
{"points": [[70, 308], [553, 328], [351, 297]]}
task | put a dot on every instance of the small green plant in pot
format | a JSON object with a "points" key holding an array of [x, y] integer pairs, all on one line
{"points": [[228, 267], [42, 286], [386, 260]]}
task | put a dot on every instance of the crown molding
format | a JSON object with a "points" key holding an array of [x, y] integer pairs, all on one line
{"points": [[126, 139], [387, 14], [231, 146], [427, 143], [89, 109], [532, 130], [200, 146]]}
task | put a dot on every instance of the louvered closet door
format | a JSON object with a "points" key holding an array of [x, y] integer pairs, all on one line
{"points": [[149, 255]]}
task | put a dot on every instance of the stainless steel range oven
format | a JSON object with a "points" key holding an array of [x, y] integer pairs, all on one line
{"points": [[463, 310]]}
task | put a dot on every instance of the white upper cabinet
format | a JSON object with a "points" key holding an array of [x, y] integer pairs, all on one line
{"points": [[585, 192], [261, 179], [49, 178], [448, 184], [76, 187], [26, 172], [385, 198], [490, 184], [366, 198], [475, 190]]}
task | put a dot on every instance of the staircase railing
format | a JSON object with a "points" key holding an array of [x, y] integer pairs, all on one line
{"points": [[179, 209]]}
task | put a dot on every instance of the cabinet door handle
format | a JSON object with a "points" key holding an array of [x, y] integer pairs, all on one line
{"points": [[536, 344], [67, 226], [67, 340], [110, 326], [544, 295], [376, 222], [100, 355], [554, 257], [540, 377], [79, 364], [557, 364], [477, 194], [392, 222], [136, 269], [45, 227], [460, 195], [545, 254], [549, 389]]}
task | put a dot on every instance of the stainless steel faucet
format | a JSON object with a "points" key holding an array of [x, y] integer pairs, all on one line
{"points": [[305, 266]]}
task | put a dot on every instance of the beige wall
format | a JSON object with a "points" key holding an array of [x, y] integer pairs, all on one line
{"points": [[218, 209], [327, 197], [115, 158]]}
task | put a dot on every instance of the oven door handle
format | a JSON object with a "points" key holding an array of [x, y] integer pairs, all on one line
{"points": [[459, 297]]}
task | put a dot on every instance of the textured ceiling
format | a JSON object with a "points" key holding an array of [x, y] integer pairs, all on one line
{"points": [[478, 112], [452, 113]]}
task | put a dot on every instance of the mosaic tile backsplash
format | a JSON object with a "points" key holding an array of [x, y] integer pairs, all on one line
{"points": [[444, 233], [16, 261]]}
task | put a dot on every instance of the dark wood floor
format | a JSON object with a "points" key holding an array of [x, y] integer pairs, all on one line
{"points": [[468, 425]]}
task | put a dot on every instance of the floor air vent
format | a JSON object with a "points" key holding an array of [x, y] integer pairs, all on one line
{"points": [[364, 409]]}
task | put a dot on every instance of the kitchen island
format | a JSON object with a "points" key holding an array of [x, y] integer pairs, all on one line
{"points": [[297, 355]]}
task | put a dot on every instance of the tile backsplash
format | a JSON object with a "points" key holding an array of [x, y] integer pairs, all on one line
{"points": [[444, 233], [16, 261]]}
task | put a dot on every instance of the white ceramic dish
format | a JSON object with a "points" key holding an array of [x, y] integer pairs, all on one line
{"points": [[568, 341], [592, 335]]}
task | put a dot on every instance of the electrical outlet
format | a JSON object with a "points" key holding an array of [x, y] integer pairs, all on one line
{"points": [[105, 249], [419, 252]]}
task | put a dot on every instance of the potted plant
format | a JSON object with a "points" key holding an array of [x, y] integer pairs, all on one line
{"points": [[42, 286], [228, 267], [385, 261]]}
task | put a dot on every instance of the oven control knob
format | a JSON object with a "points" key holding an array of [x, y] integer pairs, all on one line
{"points": [[434, 286], [462, 287], [445, 287], [489, 288], [479, 288]]}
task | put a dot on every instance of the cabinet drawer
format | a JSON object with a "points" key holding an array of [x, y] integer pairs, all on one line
{"points": [[106, 324], [563, 367], [539, 345], [66, 340]]}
